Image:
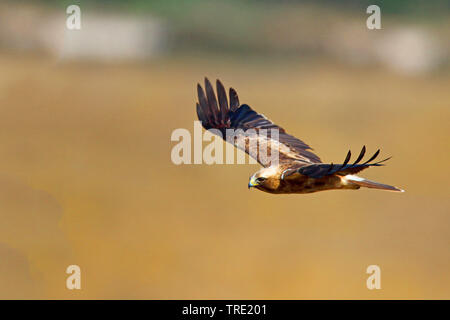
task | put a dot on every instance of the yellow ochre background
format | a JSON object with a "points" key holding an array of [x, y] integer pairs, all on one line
{"points": [[86, 176]]}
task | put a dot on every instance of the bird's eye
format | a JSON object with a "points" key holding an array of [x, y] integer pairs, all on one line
{"points": [[260, 179]]}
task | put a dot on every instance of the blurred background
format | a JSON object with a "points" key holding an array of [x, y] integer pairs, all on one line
{"points": [[86, 176]]}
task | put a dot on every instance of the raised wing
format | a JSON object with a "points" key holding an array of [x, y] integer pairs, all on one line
{"points": [[322, 169], [252, 132]]}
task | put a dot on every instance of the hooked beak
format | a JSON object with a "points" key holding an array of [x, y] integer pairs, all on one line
{"points": [[252, 183]]}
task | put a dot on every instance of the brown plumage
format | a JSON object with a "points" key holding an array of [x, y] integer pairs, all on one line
{"points": [[289, 165]]}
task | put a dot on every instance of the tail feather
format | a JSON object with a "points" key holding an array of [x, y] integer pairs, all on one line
{"points": [[370, 184]]}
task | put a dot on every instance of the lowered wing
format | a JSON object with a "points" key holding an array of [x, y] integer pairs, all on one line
{"points": [[320, 170]]}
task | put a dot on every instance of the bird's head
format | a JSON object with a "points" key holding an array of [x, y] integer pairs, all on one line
{"points": [[265, 179]]}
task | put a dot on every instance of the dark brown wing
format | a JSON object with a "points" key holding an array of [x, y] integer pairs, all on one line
{"points": [[253, 132], [320, 170]]}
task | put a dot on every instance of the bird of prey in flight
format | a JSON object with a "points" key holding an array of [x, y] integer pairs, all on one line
{"points": [[297, 169]]}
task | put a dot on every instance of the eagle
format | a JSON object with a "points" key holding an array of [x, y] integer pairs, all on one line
{"points": [[297, 170]]}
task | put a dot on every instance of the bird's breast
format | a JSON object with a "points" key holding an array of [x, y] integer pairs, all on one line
{"points": [[304, 184]]}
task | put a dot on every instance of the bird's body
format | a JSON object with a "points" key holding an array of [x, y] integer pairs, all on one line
{"points": [[289, 165], [297, 184]]}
